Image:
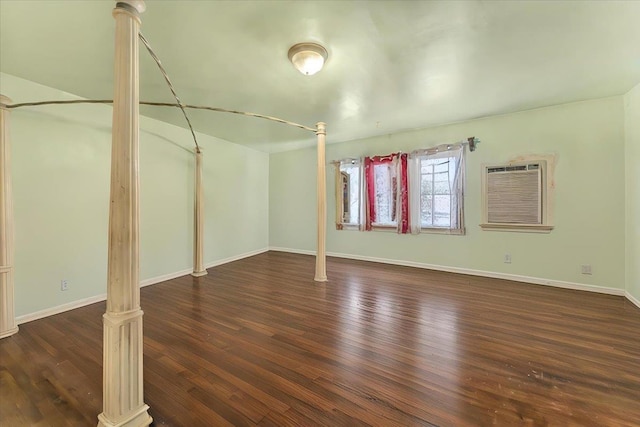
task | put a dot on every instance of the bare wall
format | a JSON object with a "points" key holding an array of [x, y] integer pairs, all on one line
{"points": [[588, 140]]}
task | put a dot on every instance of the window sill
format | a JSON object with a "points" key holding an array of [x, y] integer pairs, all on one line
{"points": [[522, 228], [436, 230], [384, 227], [351, 227]]}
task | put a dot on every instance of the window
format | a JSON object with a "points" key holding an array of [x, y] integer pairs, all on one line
{"points": [[438, 179], [348, 190], [436, 176], [516, 196], [385, 194], [408, 193]]}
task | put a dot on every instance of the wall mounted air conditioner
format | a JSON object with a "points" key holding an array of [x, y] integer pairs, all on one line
{"points": [[514, 196]]}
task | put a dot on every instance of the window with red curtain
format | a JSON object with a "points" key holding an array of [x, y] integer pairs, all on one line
{"points": [[387, 196]]}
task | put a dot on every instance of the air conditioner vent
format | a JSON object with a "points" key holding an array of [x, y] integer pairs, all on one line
{"points": [[514, 194]]}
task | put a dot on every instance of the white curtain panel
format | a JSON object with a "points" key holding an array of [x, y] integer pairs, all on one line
{"points": [[413, 171]]}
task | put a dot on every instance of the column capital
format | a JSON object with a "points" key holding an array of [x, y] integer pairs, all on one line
{"points": [[132, 8], [138, 5]]}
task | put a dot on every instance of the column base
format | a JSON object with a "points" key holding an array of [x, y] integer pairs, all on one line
{"points": [[140, 418], [199, 273], [123, 401], [320, 278], [9, 332]]}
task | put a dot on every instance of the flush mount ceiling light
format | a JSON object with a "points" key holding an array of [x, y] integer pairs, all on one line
{"points": [[308, 58]]}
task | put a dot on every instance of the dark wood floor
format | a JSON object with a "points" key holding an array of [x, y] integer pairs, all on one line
{"points": [[258, 342]]}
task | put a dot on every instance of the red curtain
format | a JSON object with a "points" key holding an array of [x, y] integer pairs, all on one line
{"points": [[403, 221], [370, 207]]}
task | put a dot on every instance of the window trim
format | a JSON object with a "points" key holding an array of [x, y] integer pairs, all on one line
{"points": [[339, 199], [432, 194], [419, 156], [444, 230], [392, 195], [384, 227]]}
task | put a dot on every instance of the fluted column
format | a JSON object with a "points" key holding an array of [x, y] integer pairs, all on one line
{"points": [[198, 221], [321, 261], [123, 400], [7, 312]]}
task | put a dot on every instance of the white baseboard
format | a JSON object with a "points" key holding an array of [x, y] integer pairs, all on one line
{"points": [[162, 278], [292, 251], [236, 258], [146, 282], [460, 270], [60, 309], [633, 299], [152, 281]]}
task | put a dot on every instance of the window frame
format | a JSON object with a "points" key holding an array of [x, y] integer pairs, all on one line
{"points": [[453, 152], [339, 196], [440, 152], [393, 188], [547, 187]]}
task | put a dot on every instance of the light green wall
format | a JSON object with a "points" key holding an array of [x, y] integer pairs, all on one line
{"points": [[632, 171], [61, 168], [61, 183], [587, 138]]}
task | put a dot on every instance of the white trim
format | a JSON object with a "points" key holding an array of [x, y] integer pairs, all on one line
{"points": [[60, 309], [236, 258], [146, 282], [292, 251], [460, 270], [518, 228], [633, 299], [158, 279]]}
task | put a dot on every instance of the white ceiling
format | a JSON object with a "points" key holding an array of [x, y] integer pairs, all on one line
{"points": [[393, 65]]}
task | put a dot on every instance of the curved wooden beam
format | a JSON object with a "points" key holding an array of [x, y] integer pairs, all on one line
{"points": [[160, 104]]}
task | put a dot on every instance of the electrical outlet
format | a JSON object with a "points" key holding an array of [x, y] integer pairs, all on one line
{"points": [[586, 269], [64, 285], [507, 258]]}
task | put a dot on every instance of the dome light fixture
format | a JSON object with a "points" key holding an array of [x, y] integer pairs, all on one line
{"points": [[308, 58]]}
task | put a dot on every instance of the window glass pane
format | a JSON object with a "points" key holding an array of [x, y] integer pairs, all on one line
{"points": [[354, 197], [425, 185], [353, 170], [426, 212], [442, 208], [436, 182], [441, 166], [441, 187], [385, 193]]}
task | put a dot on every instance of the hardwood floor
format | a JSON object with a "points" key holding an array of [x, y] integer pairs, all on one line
{"points": [[258, 343]]}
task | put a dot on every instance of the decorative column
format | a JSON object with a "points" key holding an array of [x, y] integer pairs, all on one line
{"points": [[7, 312], [321, 261], [198, 221], [123, 403]]}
